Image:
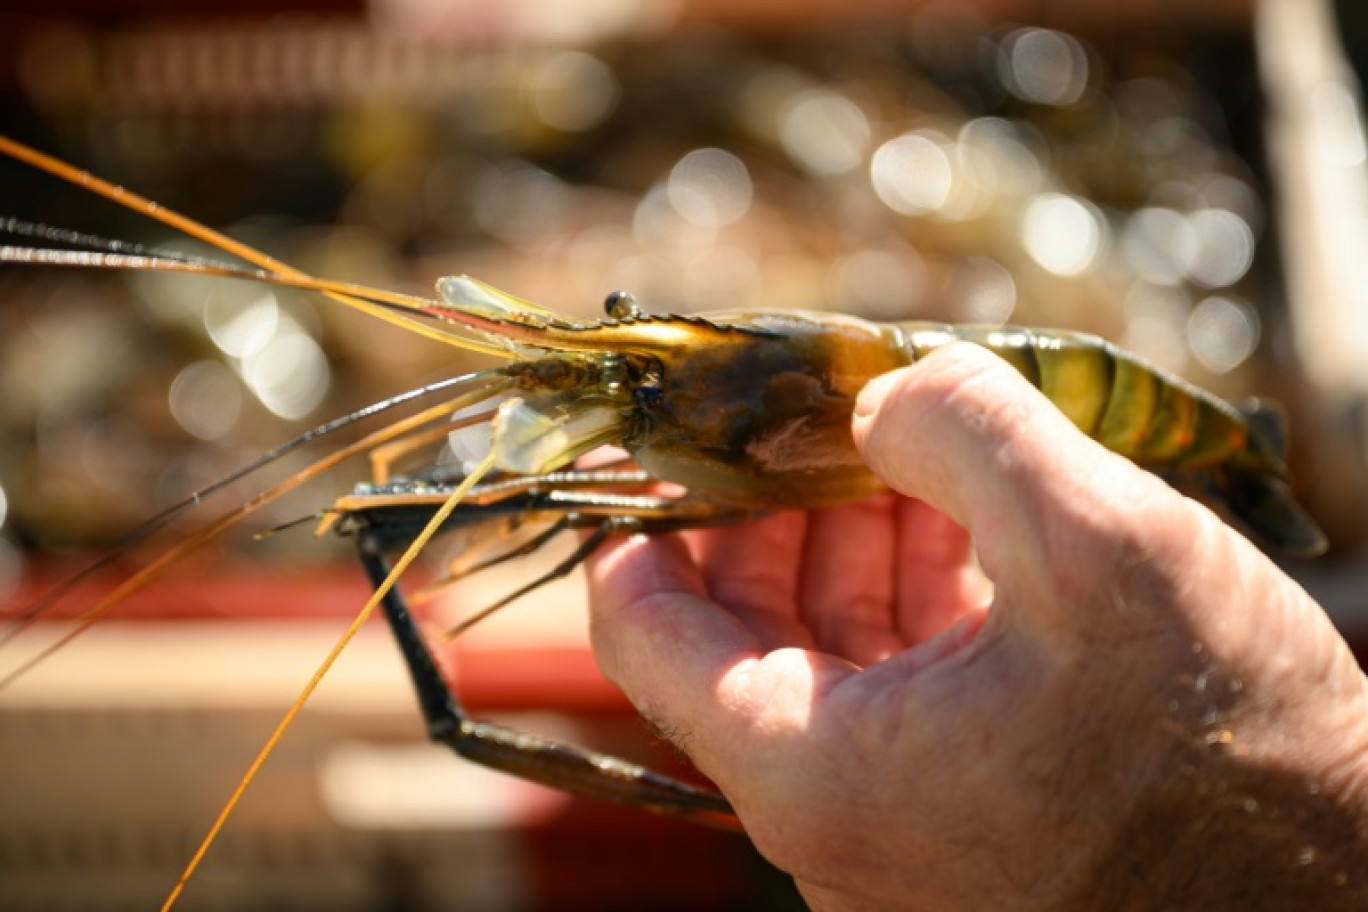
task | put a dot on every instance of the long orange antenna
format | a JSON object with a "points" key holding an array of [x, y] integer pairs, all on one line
{"points": [[15, 619], [173, 219], [381, 591], [228, 520]]}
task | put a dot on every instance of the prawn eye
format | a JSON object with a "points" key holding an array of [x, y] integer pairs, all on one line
{"points": [[621, 305]]}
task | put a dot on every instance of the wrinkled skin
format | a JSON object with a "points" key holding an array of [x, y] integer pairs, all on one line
{"points": [[1141, 711]]}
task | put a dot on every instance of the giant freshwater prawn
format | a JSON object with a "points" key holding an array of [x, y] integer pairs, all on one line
{"points": [[740, 413]]}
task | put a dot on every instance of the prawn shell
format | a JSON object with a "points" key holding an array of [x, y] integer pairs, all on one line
{"points": [[760, 417]]}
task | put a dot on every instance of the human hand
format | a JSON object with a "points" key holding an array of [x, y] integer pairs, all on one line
{"points": [[1150, 716]]}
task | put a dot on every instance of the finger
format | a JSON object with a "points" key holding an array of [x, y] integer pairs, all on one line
{"points": [[938, 582], [654, 631], [846, 590], [966, 433], [752, 570], [688, 663]]}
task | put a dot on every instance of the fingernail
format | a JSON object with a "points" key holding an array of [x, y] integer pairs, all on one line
{"points": [[873, 394]]}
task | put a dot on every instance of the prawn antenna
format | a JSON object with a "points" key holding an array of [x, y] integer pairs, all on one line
{"points": [[438, 520], [391, 306], [233, 517], [366, 300], [292, 524], [25, 616], [82, 240]]}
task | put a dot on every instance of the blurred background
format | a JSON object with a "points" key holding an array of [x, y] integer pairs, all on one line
{"points": [[1184, 178]]}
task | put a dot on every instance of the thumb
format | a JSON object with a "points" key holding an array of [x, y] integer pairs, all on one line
{"points": [[963, 431]]}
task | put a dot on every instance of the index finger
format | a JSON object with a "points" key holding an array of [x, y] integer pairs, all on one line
{"points": [[1046, 505], [686, 662]]}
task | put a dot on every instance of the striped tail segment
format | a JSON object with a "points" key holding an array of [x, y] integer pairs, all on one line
{"points": [[1235, 456]]}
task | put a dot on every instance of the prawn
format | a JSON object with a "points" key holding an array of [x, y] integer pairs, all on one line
{"points": [[740, 413]]}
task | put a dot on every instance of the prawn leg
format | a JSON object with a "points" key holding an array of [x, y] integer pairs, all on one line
{"points": [[564, 501], [562, 569], [573, 769]]}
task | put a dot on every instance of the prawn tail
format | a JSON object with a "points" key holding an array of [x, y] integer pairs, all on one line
{"points": [[1253, 487], [1264, 505]]}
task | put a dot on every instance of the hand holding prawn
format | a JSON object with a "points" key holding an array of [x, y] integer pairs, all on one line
{"points": [[1150, 714], [748, 412]]}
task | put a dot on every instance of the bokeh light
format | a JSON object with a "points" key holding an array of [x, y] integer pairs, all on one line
{"points": [[573, 91], [987, 292], [824, 132], [1222, 333], [240, 317], [1062, 233], [1223, 250], [289, 374], [1043, 66], [206, 399], [710, 188], [1156, 243], [912, 173]]}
